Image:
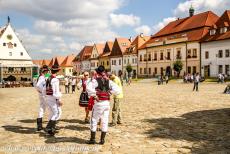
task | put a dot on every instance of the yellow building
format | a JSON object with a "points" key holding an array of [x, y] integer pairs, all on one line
{"points": [[67, 66], [104, 57]]}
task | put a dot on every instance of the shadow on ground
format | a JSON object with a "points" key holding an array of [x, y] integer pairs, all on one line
{"points": [[210, 129]]}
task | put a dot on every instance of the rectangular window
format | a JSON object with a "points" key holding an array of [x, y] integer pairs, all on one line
{"points": [[108, 63], [69, 70], [227, 53], [124, 61], [145, 71], [155, 70], [162, 56], [168, 55], [21, 53], [133, 60], [63, 70], [206, 54], [189, 69], [140, 57], [4, 44], [23, 69], [119, 61], [178, 55], [227, 70], [150, 71], [162, 71], [155, 56], [149, 58], [128, 60], [194, 69], [189, 53], [212, 32], [10, 69], [10, 53], [220, 70], [145, 57], [220, 54], [194, 53], [140, 70]]}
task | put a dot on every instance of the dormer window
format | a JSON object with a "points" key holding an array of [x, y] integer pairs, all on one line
{"points": [[223, 30], [212, 32]]}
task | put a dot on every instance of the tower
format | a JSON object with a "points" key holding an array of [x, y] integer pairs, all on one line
{"points": [[191, 11]]}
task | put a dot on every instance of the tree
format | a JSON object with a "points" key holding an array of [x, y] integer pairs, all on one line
{"points": [[129, 69], [178, 66]]}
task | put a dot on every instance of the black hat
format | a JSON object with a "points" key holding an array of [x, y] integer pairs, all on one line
{"points": [[55, 68], [100, 69], [44, 68]]}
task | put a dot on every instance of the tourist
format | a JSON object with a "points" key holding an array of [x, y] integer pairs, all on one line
{"points": [[166, 79], [84, 95], [227, 89], [66, 85], [116, 111], [101, 88], [196, 81], [40, 86], [73, 83], [53, 95]]}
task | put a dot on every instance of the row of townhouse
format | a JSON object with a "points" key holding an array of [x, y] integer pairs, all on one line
{"points": [[201, 42], [64, 62]]}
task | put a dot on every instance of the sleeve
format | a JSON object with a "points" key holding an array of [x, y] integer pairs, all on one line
{"points": [[91, 87], [115, 89], [56, 89], [40, 84]]}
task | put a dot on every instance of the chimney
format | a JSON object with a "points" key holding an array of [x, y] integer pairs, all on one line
{"points": [[191, 11]]}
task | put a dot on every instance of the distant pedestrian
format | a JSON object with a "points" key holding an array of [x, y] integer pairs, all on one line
{"points": [[74, 80], [166, 79], [196, 81], [66, 85]]}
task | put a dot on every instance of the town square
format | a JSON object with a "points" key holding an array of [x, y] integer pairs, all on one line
{"points": [[111, 77]]}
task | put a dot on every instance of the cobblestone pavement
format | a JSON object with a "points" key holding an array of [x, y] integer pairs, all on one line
{"points": [[156, 119]]}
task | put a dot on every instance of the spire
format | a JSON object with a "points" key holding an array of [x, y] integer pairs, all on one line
{"points": [[191, 11], [8, 20]]}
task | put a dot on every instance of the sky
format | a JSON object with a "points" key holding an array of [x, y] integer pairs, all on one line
{"points": [[49, 28]]}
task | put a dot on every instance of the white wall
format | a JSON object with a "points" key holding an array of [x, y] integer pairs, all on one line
{"points": [[115, 68], [213, 61], [85, 65]]}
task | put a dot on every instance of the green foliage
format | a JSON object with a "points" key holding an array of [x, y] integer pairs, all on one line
{"points": [[129, 68], [178, 66]]}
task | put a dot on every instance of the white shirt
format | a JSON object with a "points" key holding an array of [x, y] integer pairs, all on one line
{"points": [[74, 82], [41, 85], [66, 81], [56, 89]]}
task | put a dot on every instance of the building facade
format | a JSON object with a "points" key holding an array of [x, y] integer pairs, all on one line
{"points": [[94, 59], [15, 62], [104, 59]]}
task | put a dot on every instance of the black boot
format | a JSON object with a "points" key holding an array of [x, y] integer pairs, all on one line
{"points": [[51, 128], [92, 138], [48, 126], [102, 138], [39, 124]]}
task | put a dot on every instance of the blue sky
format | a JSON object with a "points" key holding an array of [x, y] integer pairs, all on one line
{"points": [[48, 30]]}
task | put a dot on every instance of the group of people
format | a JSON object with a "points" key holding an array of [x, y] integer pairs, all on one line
{"points": [[70, 81], [162, 78], [96, 95]]}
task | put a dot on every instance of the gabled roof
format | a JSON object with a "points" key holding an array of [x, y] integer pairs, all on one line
{"points": [[224, 21], [87, 51], [187, 29], [58, 60], [78, 57], [46, 62], [136, 44], [119, 47], [52, 62], [37, 62], [107, 49], [100, 48], [205, 19], [68, 61]]}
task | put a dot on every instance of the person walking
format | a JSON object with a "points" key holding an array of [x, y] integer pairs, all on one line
{"points": [[166, 79], [53, 95], [66, 85], [196, 81], [40, 86], [116, 110], [101, 88]]}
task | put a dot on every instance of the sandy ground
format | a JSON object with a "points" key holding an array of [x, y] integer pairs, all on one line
{"points": [[156, 119]]}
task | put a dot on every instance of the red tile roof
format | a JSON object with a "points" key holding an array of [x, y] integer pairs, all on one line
{"points": [[87, 51], [107, 49], [187, 29], [224, 21], [37, 62], [100, 48], [119, 47], [46, 62], [68, 61]]}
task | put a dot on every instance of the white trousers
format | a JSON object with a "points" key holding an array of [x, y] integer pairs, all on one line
{"points": [[42, 106], [54, 109], [100, 111]]}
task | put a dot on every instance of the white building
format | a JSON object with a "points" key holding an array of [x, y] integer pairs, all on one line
{"points": [[85, 60], [215, 48], [15, 62], [96, 52]]}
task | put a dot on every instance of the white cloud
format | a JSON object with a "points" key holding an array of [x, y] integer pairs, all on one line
{"points": [[217, 6], [143, 29], [119, 20], [163, 23]]}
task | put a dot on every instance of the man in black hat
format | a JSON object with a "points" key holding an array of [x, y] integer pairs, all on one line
{"points": [[101, 88], [53, 95], [40, 86]]}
